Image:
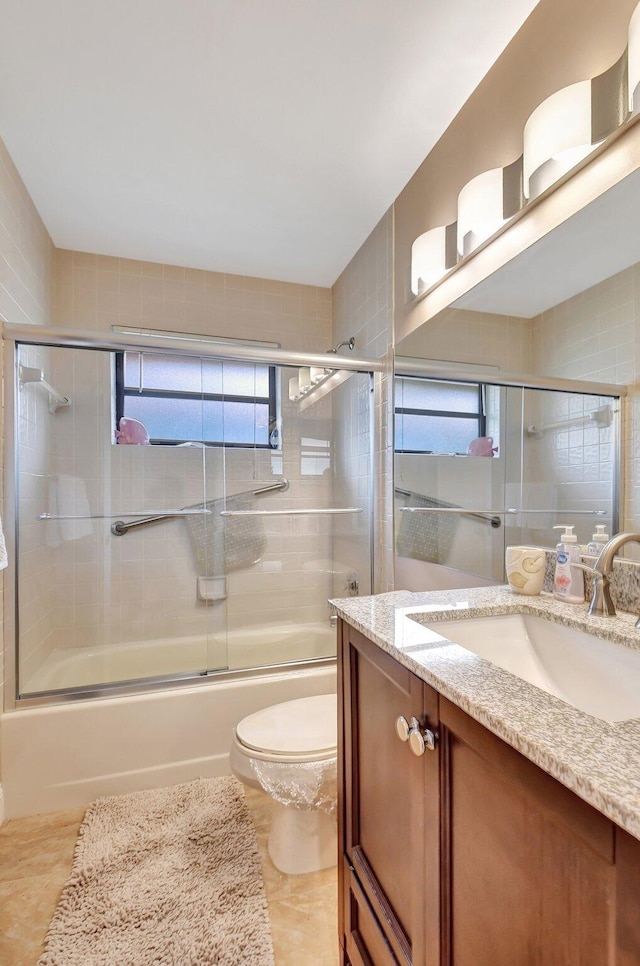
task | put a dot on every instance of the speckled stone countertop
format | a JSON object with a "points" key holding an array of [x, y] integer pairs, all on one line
{"points": [[598, 760]]}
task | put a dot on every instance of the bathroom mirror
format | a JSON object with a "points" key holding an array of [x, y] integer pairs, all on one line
{"points": [[561, 314]]}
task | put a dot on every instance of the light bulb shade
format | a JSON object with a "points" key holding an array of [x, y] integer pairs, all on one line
{"points": [[432, 255], [633, 56], [480, 210], [316, 374], [294, 392], [304, 379], [556, 137]]}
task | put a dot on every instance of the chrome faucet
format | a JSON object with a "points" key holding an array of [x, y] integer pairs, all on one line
{"points": [[601, 603]]}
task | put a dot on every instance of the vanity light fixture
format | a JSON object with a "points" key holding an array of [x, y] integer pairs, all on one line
{"points": [[569, 124], [633, 59], [558, 135], [308, 378], [486, 203], [432, 255], [294, 389]]}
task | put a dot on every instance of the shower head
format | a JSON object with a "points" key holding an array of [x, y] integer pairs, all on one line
{"points": [[350, 343]]}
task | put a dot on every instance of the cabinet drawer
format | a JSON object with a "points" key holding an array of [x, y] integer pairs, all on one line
{"points": [[365, 942]]}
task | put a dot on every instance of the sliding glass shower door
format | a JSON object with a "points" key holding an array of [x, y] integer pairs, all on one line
{"points": [[182, 515], [481, 466]]}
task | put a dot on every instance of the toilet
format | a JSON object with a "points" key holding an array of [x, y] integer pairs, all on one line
{"points": [[289, 750]]}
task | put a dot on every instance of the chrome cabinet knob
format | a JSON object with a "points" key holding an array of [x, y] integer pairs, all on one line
{"points": [[420, 739], [403, 728]]}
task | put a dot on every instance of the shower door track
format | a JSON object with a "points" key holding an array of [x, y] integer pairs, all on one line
{"points": [[111, 341], [187, 679]]}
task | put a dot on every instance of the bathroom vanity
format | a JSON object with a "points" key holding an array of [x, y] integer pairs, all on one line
{"points": [[505, 831]]}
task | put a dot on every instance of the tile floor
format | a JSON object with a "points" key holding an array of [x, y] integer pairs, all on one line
{"points": [[35, 860]]}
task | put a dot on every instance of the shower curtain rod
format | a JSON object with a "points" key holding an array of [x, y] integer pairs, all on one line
{"points": [[73, 338]]}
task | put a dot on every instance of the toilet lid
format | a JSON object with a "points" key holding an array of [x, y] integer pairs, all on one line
{"points": [[304, 726]]}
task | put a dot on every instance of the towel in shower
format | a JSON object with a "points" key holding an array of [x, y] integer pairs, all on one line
{"points": [[4, 559], [426, 536], [222, 544]]}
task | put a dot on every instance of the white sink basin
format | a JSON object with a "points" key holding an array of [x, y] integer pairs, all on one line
{"points": [[594, 675]]}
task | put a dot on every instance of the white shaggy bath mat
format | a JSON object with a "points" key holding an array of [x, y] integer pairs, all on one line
{"points": [[169, 876]]}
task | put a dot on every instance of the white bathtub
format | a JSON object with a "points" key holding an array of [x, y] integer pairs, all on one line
{"points": [[65, 755], [265, 646]]}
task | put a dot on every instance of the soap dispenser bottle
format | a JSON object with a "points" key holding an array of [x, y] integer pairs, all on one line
{"points": [[568, 581], [598, 541]]}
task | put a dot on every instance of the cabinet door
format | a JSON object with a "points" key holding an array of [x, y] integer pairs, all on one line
{"points": [[628, 899], [390, 811], [366, 943], [529, 865]]}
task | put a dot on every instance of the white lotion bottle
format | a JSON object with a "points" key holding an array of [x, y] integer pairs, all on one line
{"points": [[598, 541], [568, 580]]}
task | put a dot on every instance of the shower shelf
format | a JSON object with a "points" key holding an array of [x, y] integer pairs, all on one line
{"points": [[28, 375], [288, 513]]}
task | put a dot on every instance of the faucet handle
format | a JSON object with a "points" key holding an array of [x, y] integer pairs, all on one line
{"points": [[601, 603]]}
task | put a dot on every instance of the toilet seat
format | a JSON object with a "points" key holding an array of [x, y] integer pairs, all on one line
{"points": [[294, 731]]}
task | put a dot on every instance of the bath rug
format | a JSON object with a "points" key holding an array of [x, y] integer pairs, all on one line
{"points": [[168, 876]]}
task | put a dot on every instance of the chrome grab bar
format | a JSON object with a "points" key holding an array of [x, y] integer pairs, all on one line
{"points": [[489, 516], [119, 528], [282, 484]]}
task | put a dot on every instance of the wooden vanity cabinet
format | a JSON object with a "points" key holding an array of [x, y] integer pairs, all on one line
{"points": [[529, 867], [389, 812], [469, 855]]}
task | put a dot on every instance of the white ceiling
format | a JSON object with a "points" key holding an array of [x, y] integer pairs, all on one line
{"points": [[244, 136]]}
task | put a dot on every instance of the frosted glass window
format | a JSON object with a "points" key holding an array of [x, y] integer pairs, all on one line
{"points": [[191, 399], [436, 416], [434, 434], [428, 394], [165, 420], [145, 371]]}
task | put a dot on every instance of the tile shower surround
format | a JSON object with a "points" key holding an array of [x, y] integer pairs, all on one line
{"points": [[142, 586]]}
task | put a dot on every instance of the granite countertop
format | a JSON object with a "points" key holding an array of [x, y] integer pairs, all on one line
{"points": [[598, 760]]}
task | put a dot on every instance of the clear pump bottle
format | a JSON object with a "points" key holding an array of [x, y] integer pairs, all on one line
{"points": [[598, 541], [568, 580]]}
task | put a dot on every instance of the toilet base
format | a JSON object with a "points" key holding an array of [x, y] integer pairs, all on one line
{"points": [[302, 840]]}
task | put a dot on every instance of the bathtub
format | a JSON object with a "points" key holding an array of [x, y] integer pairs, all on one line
{"points": [[265, 646], [64, 755]]}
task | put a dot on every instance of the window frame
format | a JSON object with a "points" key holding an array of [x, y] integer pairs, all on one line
{"points": [[121, 392], [480, 414]]}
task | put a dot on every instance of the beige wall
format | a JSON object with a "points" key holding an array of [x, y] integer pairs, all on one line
{"points": [[560, 43], [94, 292], [596, 336], [26, 259], [363, 307], [479, 338], [26, 252]]}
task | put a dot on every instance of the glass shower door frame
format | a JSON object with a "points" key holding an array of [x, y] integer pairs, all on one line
{"points": [[16, 336]]}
